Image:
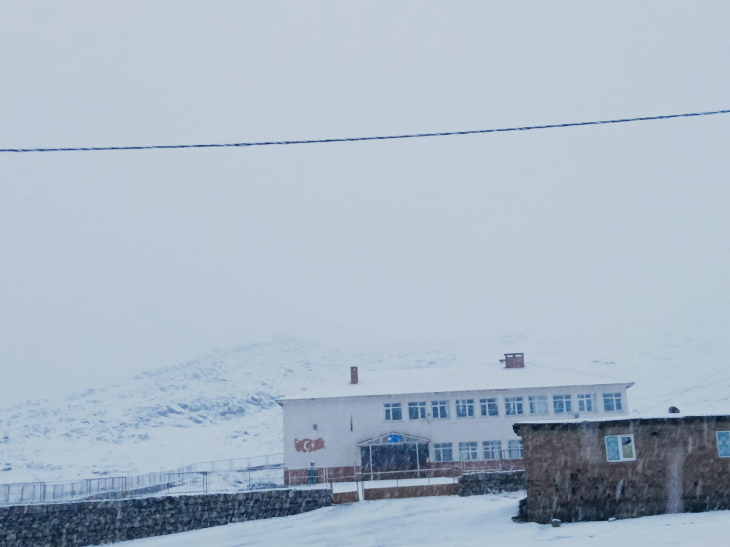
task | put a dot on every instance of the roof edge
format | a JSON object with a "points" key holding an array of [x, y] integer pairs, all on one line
{"points": [[285, 399], [575, 424]]}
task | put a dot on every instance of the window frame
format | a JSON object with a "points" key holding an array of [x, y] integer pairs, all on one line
{"points": [[485, 406], [566, 401], [472, 449], [512, 448], [389, 408], [519, 402], [533, 401], [438, 452], [494, 446], [613, 397], [468, 406], [441, 405], [420, 407], [717, 440], [620, 447], [583, 397]]}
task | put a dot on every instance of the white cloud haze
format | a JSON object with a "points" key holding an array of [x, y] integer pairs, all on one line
{"points": [[116, 262]]}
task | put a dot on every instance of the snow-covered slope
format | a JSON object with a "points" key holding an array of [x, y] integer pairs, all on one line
{"points": [[448, 520], [219, 406], [222, 405]]}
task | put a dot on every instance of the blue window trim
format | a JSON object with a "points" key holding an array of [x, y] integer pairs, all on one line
{"points": [[723, 446]]}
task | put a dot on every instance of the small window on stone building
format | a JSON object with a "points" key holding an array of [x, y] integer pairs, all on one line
{"points": [[464, 408], [723, 443], [492, 450], [587, 402], [489, 407], [468, 452], [417, 411], [539, 404], [562, 404], [620, 448], [440, 409], [443, 452], [393, 411], [513, 406], [612, 402]]}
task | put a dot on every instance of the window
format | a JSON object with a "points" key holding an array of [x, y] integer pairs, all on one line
{"points": [[587, 402], [513, 406], [611, 402], [620, 448], [443, 452], [562, 403], [515, 449], [538, 404], [489, 407], [417, 411], [468, 452], [393, 411], [723, 443], [492, 450], [440, 409], [464, 408]]}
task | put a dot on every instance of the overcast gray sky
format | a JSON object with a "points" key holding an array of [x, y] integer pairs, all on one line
{"points": [[118, 262]]}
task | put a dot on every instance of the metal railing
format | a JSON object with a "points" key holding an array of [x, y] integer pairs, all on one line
{"points": [[243, 474], [237, 464], [226, 475], [102, 488]]}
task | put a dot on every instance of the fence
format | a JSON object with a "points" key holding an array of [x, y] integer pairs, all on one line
{"points": [[262, 472], [238, 464], [255, 473]]}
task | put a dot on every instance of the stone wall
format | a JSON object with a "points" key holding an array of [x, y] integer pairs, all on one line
{"points": [[476, 484], [677, 469], [419, 491], [99, 522]]}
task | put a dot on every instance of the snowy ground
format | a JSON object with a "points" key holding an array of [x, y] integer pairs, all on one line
{"points": [[448, 520], [222, 405]]}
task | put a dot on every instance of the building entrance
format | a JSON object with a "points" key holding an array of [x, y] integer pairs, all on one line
{"points": [[389, 455]]}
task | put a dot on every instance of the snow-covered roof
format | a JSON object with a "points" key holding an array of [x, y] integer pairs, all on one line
{"points": [[655, 417], [450, 379]]}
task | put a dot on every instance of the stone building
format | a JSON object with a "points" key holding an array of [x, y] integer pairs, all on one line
{"points": [[435, 417], [630, 467]]}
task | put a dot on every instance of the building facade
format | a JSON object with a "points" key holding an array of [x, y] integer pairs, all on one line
{"points": [[622, 468], [430, 418]]}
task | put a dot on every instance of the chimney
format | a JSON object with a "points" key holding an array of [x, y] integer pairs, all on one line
{"points": [[513, 360], [353, 375]]}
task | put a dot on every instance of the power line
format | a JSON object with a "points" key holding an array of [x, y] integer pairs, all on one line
{"points": [[354, 139]]}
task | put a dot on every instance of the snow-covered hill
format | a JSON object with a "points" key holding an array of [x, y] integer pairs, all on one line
{"points": [[222, 405], [219, 406]]}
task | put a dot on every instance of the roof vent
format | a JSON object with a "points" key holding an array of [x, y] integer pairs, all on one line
{"points": [[353, 375], [673, 410], [513, 360]]}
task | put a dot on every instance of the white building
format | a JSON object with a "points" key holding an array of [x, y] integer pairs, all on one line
{"points": [[428, 417]]}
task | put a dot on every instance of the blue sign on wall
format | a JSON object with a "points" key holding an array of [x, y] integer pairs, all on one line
{"points": [[394, 438]]}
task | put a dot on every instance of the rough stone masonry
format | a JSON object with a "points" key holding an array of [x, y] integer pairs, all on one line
{"points": [[99, 522], [676, 465], [477, 484]]}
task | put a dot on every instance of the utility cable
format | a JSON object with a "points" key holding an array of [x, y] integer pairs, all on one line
{"points": [[357, 139]]}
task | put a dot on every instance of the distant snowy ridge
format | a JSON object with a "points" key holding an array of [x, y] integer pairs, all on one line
{"points": [[223, 405]]}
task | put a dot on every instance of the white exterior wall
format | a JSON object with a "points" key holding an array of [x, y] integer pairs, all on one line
{"points": [[332, 417]]}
